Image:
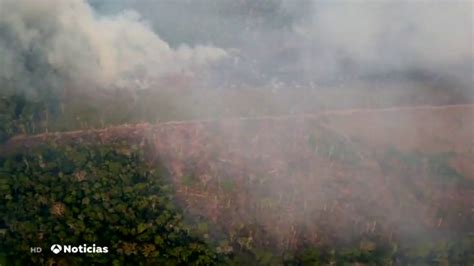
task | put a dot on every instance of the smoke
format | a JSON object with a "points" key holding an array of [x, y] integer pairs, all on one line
{"points": [[389, 36], [323, 43], [54, 43], [264, 43], [285, 45]]}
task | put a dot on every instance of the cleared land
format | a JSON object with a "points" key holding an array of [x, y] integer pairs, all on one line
{"points": [[391, 174]]}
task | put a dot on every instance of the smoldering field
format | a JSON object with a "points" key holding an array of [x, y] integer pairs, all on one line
{"points": [[376, 162]]}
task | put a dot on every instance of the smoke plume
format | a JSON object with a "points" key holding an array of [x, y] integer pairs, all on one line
{"points": [[365, 37], [55, 43], [309, 43]]}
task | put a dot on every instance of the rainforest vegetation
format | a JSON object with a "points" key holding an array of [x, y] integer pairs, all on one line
{"points": [[112, 196], [249, 132], [108, 195]]}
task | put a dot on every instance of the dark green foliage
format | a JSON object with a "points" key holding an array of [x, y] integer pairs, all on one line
{"points": [[108, 196], [21, 116], [101, 195]]}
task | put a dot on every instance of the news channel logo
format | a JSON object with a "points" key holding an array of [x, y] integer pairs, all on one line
{"points": [[73, 249]]}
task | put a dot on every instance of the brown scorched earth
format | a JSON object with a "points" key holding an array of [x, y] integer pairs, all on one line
{"points": [[323, 178]]}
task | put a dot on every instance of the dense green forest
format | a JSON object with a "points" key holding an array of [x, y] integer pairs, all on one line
{"points": [[101, 195], [109, 196], [249, 132]]}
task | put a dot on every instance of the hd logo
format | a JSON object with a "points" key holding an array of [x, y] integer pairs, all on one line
{"points": [[56, 249]]}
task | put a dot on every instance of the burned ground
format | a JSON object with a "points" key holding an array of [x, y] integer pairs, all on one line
{"points": [[341, 177]]}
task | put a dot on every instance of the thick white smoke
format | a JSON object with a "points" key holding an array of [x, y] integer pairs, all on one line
{"points": [[301, 42], [51, 42], [432, 32], [387, 35]]}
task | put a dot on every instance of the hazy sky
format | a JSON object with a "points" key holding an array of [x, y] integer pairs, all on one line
{"points": [[109, 43], [306, 40]]}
